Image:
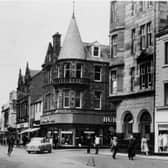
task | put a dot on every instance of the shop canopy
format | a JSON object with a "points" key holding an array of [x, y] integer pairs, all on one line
{"points": [[29, 130]]}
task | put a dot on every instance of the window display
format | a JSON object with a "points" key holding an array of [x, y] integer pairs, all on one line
{"points": [[66, 138], [163, 138]]}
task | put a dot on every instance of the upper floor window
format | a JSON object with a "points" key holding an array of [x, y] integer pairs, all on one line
{"points": [[166, 53], [97, 73], [78, 71], [66, 99], [132, 78], [141, 6], [78, 99], [149, 35], [49, 76], [133, 8], [133, 46], [149, 4], [49, 102], [58, 71], [113, 82], [96, 51], [114, 46], [145, 75], [142, 37], [97, 103], [166, 94], [67, 70]]}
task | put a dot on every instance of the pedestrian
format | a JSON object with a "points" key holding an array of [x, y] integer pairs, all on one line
{"points": [[131, 147], [144, 145], [25, 140], [114, 146], [88, 141], [10, 142], [97, 143], [55, 141]]}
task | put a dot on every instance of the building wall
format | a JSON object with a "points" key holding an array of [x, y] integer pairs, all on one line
{"points": [[36, 86], [161, 122], [136, 105], [133, 18], [161, 70]]}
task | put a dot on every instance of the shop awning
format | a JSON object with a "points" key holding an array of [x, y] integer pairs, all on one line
{"points": [[29, 130]]}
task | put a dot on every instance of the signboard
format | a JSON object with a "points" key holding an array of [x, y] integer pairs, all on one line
{"points": [[22, 125]]}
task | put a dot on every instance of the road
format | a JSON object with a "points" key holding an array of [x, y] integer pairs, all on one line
{"points": [[72, 158]]}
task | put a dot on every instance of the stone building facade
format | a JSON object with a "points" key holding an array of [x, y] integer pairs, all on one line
{"points": [[76, 90], [132, 65], [29, 91]]}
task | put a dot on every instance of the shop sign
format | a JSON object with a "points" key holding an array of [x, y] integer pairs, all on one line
{"points": [[22, 125], [108, 119], [89, 132], [66, 132], [48, 119]]}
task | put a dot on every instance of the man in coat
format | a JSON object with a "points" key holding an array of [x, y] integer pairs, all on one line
{"points": [[131, 147], [10, 141]]}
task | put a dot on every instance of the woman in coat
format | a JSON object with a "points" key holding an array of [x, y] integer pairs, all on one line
{"points": [[144, 145]]}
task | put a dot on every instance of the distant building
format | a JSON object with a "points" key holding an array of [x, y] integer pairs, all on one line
{"points": [[29, 91], [8, 113], [133, 26], [161, 96], [75, 99]]}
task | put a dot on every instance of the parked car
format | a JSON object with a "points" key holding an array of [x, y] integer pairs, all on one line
{"points": [[39, 144]]}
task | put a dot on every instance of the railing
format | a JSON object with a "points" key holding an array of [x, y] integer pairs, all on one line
{"points": [[76, 81]]}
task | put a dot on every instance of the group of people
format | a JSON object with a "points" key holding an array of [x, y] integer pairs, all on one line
{"points": [[131, 146], [96, 143]]}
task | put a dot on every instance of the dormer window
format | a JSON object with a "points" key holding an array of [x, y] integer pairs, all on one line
{"points": [[96, 51]]}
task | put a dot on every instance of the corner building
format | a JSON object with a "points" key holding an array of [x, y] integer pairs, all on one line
{"points": [[133, 26], [76, 90]]}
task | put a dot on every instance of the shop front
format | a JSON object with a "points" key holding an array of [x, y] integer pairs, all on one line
{"points": [[161, 130], [73, 134]]}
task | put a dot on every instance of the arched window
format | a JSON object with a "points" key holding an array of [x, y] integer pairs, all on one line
{"points": [[128, 125], [145, 124]]}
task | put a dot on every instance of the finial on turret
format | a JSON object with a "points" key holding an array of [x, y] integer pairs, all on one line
{"points": [[73, 15]]}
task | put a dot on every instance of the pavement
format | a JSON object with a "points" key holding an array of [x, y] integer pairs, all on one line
{"points": [[108, 152], [77, 158]]}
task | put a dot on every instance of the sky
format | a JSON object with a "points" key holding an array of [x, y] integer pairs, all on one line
{"points": [[27, 26]]}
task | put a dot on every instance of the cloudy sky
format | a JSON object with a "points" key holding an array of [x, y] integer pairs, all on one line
{"points": [[27, 26]]}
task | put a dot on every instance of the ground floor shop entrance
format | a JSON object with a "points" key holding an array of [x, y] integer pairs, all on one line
{"points": [[76, 135]]}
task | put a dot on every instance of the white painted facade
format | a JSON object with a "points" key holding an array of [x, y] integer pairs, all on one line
{"points": [[161, 109]]}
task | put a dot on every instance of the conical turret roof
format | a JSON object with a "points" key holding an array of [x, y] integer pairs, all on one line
{"points": [[72, 46]]}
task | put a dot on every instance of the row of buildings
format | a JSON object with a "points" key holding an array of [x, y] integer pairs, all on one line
{"points": [[90, 88]]}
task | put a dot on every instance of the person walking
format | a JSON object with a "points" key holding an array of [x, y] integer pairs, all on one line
{"points": [[97, 143], [144, 145], [131, 147], [114, 146], [88, 141], [10, 142]]}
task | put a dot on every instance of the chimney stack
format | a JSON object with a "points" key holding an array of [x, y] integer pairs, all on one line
{"points": [[56, 43]]}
